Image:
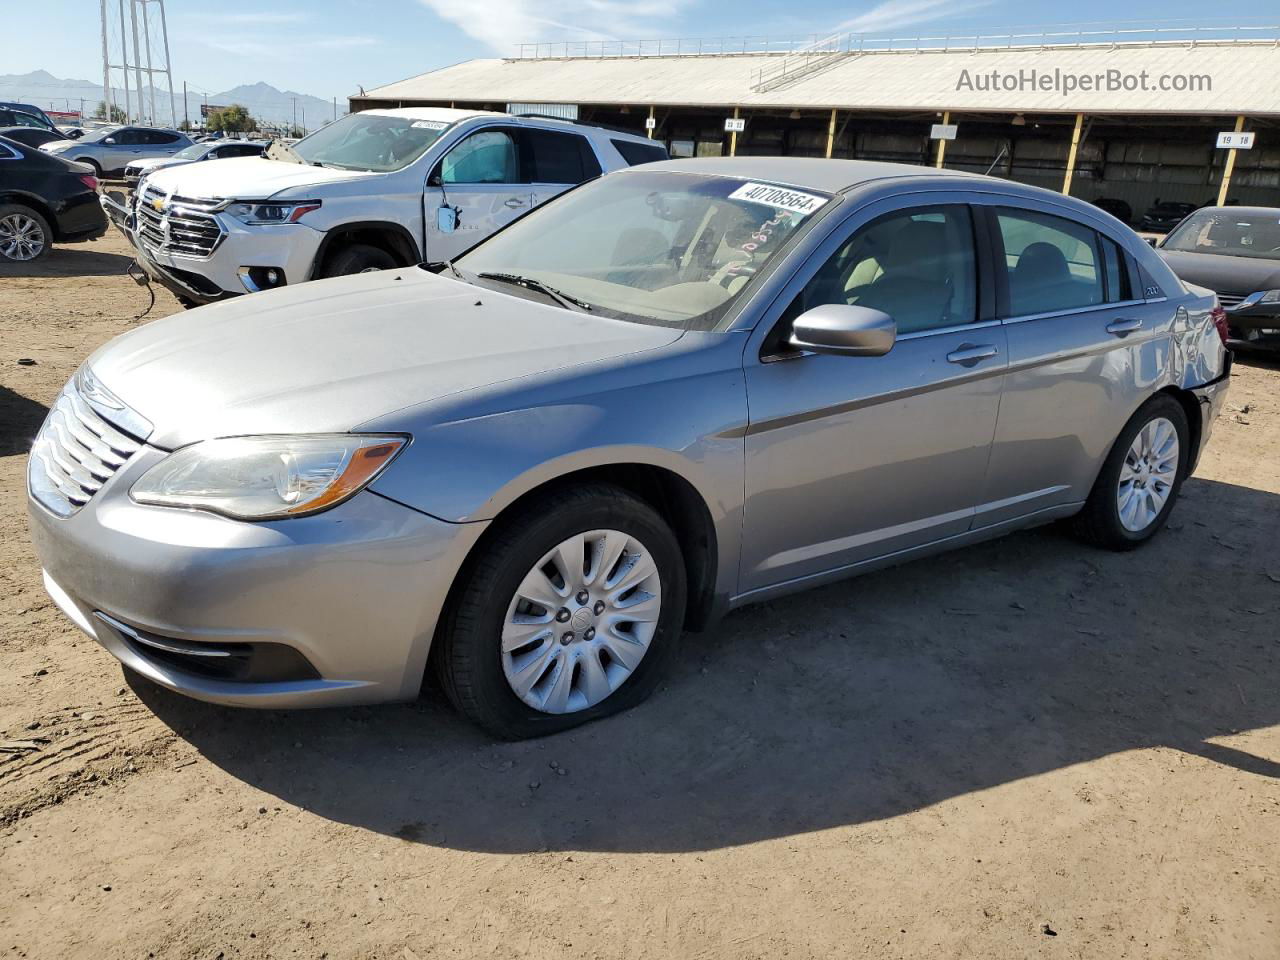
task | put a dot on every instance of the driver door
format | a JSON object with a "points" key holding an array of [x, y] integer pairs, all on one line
{"points": [[480, 178], [849, 458]]}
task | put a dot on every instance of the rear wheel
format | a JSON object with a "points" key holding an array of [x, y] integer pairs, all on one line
{"points": [[1140, 479], [357, 258], [97, 167], [571, 612], [24, 233]]}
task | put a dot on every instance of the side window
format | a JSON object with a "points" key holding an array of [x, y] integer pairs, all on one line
{"points": [[917, 265], [488, 156], [1116, 269], [160, 137], [247, 150], [27, 120], [128, 137], [638, 153], [1051, 263], [559, 157]]}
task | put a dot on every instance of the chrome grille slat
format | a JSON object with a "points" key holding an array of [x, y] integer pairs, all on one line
{"points": [[78, 450], [192, 231]]}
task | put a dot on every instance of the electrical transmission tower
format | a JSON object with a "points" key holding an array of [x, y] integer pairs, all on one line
{"points": [[135, 34]]}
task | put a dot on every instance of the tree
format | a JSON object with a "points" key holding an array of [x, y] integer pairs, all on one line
{"points": [[117, 114], [232, 119]]}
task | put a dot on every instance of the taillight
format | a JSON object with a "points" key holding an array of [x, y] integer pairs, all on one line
{"points": [[1219, 318], [89, 180]]}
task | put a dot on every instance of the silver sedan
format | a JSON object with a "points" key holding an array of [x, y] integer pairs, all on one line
{"points": [[675, 390]]}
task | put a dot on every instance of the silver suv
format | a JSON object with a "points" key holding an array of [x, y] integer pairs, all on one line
{"points": [[110, 149]]}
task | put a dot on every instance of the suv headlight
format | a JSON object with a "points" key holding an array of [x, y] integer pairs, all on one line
{"points": [[258, 214], [261, 478]]}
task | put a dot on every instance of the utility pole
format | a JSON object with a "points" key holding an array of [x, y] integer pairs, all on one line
{"points": [[335, 108], [293, 130], [168, 68], [304, 119], [106, 67], [186, 118], [137, 66], [124, 67]]}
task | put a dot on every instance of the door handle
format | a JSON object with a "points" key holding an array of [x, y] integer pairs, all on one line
{"points": [[513, 203], [1122, 328], [968, 355]]}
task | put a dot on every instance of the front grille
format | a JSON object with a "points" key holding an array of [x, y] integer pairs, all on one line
{"points": [[79, 449], [181, 226], [1229, 300]]}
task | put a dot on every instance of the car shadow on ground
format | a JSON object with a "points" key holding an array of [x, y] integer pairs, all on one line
{"points": [[79, 260], [856, 702], [20, 419]]}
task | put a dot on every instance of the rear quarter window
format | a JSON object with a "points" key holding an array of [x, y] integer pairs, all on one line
{"points": [[637, 153]]}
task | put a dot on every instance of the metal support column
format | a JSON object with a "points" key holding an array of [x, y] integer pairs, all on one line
{"points": [[106, 67], [168, 69], [651, 124], [1071, 157], [942, 144], [831, 133], [733, 137]]}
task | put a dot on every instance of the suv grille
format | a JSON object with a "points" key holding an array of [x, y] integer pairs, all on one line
{"points": [[180, 226], [78, 449]]}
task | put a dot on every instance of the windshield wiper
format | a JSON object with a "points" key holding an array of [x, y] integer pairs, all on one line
{"points": [[529, 283]]}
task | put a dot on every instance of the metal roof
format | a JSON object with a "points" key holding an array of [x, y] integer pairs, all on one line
{"points": [[1241, 80]]}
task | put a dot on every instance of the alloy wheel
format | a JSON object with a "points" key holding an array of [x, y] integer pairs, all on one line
{"points": [[581, 621], [1147, 475], [21, 237]]}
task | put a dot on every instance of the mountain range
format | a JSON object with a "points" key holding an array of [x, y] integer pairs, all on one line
{"points": [[264, 101]]}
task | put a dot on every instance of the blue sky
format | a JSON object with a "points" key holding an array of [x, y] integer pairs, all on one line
{"points": [[328, 47]]}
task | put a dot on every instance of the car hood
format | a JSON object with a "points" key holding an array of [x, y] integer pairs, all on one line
{"points": [[247, 178], [1236, 276], [329, 355], [154, 163]]}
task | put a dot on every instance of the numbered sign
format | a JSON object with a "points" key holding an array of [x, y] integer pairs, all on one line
{"points": [[650, 123], [1230, 140], [734, 126], [942, 131]]}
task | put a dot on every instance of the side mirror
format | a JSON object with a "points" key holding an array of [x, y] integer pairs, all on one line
{"points": [[109, 141], [849, 330], [447, 219], [1153, 241]]}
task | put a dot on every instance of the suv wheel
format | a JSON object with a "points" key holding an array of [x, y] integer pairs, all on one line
{"points": [[357, 258], [24, 234], [97, 167], [571, 612], [1140, 479]]}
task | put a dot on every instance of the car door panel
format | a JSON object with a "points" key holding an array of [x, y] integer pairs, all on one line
{"points": [[853, 458], [1075, 377], [465, 180]]}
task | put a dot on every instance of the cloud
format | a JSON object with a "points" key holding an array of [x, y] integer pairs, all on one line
{"points": [[250, 18], [892, 14], [505, 23]]}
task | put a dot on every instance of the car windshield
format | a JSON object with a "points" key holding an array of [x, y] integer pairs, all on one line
{"points": [[370, 141], [193, 152], [96, 136], [674, 249], [1230, 233]]}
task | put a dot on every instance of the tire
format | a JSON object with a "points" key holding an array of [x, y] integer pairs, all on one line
{"points": [[1103, 521], [25, 235], [97, 167], [470, 659], [186, 302], [357, 258]]}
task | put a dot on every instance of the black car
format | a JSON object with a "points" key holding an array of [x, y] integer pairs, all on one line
{"points": [[1235, 252], [31, 136], [29, 108], [1165, 215], [44, 200]]}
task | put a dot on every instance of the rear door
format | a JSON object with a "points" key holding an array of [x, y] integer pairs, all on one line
{"points": [[481, 177], [556, 161], [1082, 344]]}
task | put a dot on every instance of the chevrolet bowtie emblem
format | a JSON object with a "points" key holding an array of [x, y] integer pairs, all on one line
{"points": [[158, 203]]}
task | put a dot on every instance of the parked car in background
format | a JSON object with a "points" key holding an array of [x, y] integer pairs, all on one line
{"points": [[32, 136], [36, 123], [1116, 207], [28, 108], [196, 153], [44, 200], [109, 150], [1235, 252], [532, 466], [1164, 215], [373, 190]]}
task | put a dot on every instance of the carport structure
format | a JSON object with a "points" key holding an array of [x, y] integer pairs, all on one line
{"points": [[1129, 114]]}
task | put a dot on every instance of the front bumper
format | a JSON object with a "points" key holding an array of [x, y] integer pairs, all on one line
{"points": [[1251, 317], [354, 592], [290, 248]]}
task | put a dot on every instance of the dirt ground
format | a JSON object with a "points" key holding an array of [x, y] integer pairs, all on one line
{"points": [[1023, 749]]}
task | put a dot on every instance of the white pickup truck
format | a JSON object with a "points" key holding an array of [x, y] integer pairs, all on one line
{"points": [[376, 189]]}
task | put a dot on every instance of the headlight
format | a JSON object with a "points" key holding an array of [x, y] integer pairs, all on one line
{"points": [[1271, 296], [260, 478], [257, 214]]}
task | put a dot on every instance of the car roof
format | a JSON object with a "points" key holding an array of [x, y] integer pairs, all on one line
{"points": [[449, 114], [829, 176], [1244, 211]]}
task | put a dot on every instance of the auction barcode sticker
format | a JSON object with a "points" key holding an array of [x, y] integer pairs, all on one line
{"points": [[429, 124], [780, 198]]}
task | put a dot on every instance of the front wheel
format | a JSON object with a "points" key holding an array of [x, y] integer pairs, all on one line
{"points": [[1140, 479], [357, 258], [570, 612]]}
